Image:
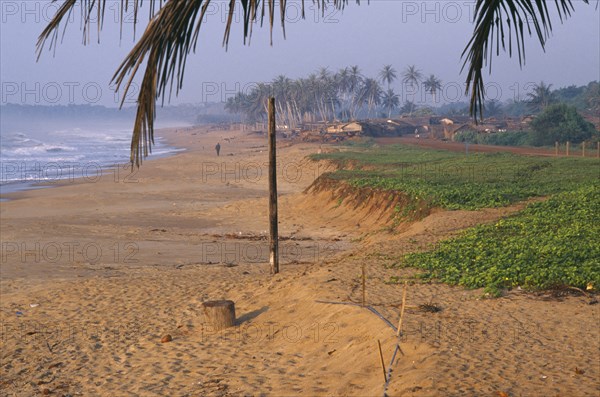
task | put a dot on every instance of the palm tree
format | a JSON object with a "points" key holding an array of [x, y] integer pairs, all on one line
{"points": [[387, 75], [347, 79], [408, 108], [355, 79], [390, 101], [540, 97], [412, 77], [370, 93], [433, 85], [496, 19], [161, 52], [493, 108]]}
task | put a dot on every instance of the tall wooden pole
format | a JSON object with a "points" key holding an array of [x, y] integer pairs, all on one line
{"points": [[274, 234], [568, 147]]}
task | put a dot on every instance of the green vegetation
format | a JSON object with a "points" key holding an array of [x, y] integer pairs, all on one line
{"points": [[584, 98], [549, 244], [430, 178], [558, 122], [508, 138], [561, 123]]}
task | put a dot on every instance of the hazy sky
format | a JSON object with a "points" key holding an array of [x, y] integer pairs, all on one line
{"points": [[428, 34]]}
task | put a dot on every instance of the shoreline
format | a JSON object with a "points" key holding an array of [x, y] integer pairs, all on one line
{"points": [[13, 188]]}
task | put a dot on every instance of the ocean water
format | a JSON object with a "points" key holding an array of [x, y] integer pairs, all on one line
{"points": [[38, 152]]}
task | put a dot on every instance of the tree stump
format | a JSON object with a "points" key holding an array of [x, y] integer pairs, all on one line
{"points": [[219, 314]]}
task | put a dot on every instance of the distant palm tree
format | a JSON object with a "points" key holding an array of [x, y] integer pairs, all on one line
{"points": [[493, 108], [370, 93], [390, 101], [433, 85], [540, 97], [408, 108], [355, 79], [387, 75], [172, 34], [412, 77]]}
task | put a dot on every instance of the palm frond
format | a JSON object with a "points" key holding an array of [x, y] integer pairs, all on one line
{"points": [[496, 19]]}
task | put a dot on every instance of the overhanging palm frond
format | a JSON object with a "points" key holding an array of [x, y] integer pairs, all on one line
{"points": [[496, 19], [165, 44]]}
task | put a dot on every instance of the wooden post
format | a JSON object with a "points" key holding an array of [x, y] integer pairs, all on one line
{"points": [[583, 149], [598, 149], [556, 148], [219, 314], [382, 362], [273, 220], [568, 145], [399, 330], [363, 285]]}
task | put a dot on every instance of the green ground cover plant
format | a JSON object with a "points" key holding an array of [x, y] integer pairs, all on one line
{"points": [[549, 244], [553, 243]]}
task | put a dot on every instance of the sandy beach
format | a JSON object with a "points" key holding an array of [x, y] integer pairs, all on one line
{"points": [[95, 272]]}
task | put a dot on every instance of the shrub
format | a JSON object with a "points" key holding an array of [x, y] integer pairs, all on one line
{"points": [[561, 123]]}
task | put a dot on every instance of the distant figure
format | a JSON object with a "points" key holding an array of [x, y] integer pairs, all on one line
{"points": [[218, 148]]}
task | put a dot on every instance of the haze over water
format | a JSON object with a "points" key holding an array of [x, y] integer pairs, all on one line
{"points": [[46, 150]]}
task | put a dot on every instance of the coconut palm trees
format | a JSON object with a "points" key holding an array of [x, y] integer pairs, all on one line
{"points": [[411, 77], [433, 85], [493, 108], [355, 79], [322, 96], [540, 97], [390, 101], [387, 75], [370, 94], [161, 52], [408, 108]]}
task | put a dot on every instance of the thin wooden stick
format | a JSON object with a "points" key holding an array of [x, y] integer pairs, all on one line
{"points": [[363, 285], [382, 363], [399, 331]]}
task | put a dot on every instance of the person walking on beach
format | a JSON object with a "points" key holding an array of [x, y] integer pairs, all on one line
{"points": [[218, 148]]}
